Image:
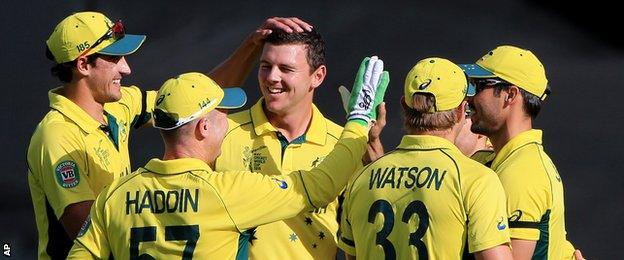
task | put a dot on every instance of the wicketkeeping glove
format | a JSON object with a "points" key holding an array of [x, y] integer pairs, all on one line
{"points": [[368, 92]]}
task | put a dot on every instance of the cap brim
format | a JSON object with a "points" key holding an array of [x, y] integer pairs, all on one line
{"points": [[233, 98], [471, 91], [476, 71], [124, 46]]}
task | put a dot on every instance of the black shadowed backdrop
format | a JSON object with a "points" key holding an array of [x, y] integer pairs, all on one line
{"points": [[581, 47]]}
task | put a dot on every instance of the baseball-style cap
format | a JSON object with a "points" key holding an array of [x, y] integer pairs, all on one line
{"points": [[514, 65], [441, 78], [190, 96], [86, 33]]}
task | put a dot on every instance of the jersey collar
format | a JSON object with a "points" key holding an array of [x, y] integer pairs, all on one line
{"points": [[69, 109], [424, 142], [316, 133], [526, 137], [176, 166]]}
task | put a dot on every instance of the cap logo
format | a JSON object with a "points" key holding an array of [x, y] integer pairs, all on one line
{"points": [[425, 84], [205, 103]]}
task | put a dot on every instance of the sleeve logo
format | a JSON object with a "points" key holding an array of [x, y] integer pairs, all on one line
{"points": [[85, 226], [67, 174], [281, 183], [501, 224]]}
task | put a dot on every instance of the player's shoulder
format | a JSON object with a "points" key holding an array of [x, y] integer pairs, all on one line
{"points": [[529, 158], [333, 129], [239, 119], [468, 166], [54, 128]]}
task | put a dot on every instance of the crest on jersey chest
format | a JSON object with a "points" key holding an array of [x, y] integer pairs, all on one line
{"points": [[255, 158]]}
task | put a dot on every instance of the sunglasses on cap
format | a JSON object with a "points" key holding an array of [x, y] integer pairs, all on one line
{"points": [[117, 31]]}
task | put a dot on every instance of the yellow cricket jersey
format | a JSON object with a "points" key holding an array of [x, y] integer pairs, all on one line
{"points": [[534, 195], [423, 200], [484, 157], [181, 208], [71, 158], [254, 144]]}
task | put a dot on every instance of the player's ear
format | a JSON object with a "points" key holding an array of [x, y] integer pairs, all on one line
{"points": [[513, 94], [460, 112], [318, 76], [82, 65], [202, 128]]}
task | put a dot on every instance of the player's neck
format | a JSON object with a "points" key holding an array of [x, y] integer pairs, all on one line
{"points": [[181, 149], [293, 123], [80, 94], [514, 126]]}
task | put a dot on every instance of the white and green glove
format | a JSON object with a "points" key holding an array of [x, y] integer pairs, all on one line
{"points": [[368, 91]]}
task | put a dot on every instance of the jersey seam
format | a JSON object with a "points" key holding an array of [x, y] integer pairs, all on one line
{"points": [[220, 198], [306, 190], [547, 175], [459, 182]]}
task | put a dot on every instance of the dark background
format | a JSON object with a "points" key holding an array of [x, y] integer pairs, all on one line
{"points": [[580, 46]]}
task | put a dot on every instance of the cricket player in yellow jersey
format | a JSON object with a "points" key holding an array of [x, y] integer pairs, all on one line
{"points": [[425, 199], [511, 85], [81, 144], [285, 131], [179, 207]]}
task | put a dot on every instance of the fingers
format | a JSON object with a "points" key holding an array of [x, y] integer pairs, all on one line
{"points": [[578, 255], [377, 70], [344, 97], [369, 70], [381, 116]]}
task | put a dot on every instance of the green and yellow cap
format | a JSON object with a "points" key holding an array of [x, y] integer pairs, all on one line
{"points": [[86, 33], [190, 96], [440, 77], [514, 65]]}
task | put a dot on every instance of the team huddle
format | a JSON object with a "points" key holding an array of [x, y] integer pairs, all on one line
{"points": [[469, 179]]}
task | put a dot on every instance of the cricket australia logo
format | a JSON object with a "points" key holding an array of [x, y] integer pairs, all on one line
{"points": [[67, 174], [253, 159], [317, 161], [123, 131], [102, 154]]}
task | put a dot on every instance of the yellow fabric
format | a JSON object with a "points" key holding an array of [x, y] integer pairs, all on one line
{"points": [[187, 94], [76, 33], [216, 206], [252, 144], [424, 176], [534, 194], [517, 66], [70, 159], [439, 77], [484, 157]]}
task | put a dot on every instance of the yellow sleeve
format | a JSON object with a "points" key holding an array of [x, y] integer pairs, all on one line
{"points": [[485, 206], [527, 201], [256, 199], [92, 242], [325, 182], [140, 105], [62, 166], [253, 199], [78, 251], [345, 233]]}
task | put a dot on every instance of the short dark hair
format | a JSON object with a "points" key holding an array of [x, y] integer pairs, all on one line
{"points": [[312, 40], [532, 104], [63, 71]]}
